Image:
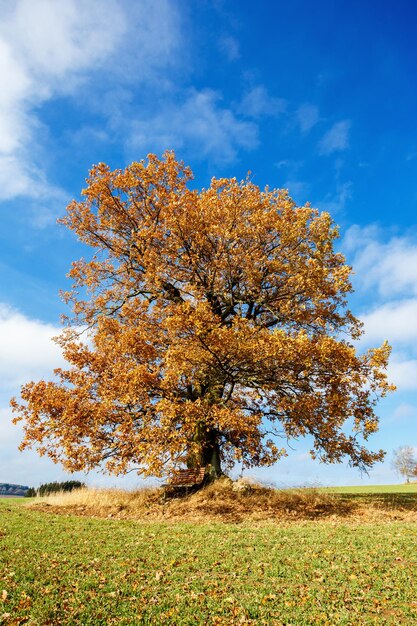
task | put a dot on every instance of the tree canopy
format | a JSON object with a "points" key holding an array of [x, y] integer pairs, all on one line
{"points": [[216, 330]]}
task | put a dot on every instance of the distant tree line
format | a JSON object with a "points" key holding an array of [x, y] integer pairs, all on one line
{"points": [[48, 488], [7, 489]]}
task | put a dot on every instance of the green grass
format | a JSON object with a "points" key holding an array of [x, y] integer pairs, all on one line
{"points": [[76, 570], [402, 496], [361, 489]]}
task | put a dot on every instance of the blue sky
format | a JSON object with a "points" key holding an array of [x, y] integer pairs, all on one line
{"points": [[319, 98]]}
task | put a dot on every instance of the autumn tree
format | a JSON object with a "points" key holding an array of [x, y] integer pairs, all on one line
{"points": [[215, 324], [405, 462]]}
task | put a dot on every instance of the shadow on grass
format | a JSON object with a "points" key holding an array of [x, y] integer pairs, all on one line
{"points": [[387, 501]]}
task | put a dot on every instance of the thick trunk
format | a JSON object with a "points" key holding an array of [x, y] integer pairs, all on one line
{"points": [[210, 457], [209, 454]]}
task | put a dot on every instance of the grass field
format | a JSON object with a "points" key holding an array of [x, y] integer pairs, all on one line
{"points": [[60, 569], [371, 489]]}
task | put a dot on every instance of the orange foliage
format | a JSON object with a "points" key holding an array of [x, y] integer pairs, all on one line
{"points": [[216, 324]]}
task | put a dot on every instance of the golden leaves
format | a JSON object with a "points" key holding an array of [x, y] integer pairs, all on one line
{"points": [[215, 320]]}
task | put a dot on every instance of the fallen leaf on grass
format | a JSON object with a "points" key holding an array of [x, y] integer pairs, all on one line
{"points": [[4, 595], [271, 596]]}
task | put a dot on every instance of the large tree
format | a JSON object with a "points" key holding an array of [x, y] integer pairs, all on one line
{"points": [[216, 327]]}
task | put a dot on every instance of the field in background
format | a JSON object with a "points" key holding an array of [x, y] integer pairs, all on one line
{"points": [[363, 489]]}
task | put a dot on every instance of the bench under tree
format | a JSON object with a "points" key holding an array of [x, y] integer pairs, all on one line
{"points": [[186, 480]]}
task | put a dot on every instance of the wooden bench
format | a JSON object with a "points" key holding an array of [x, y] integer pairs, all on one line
{"points": [[185, 480]]}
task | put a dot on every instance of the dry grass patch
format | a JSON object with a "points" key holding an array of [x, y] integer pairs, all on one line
{"points": [[222, 500], [226, 501]]}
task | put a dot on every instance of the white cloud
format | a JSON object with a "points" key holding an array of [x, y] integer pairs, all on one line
{"points": [[15, 177], [45, 49], [200, 123], [395, 321], [390, 266], [258, 102], [307, 116], [11, 435], [385, 273], [336, 139], [403, 373], [358, 237], [27, 351], [53, 40], [24, 468], [19, 177]]}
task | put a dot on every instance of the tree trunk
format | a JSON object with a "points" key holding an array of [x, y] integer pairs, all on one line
{"points": [[209, 454]]}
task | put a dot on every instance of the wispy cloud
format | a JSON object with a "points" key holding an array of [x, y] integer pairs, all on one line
{"points": [[257, 102], [336, 139], [298, 189], [307, 116], [336, 202], [229, 46], [200, 123], [50, 50]]}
